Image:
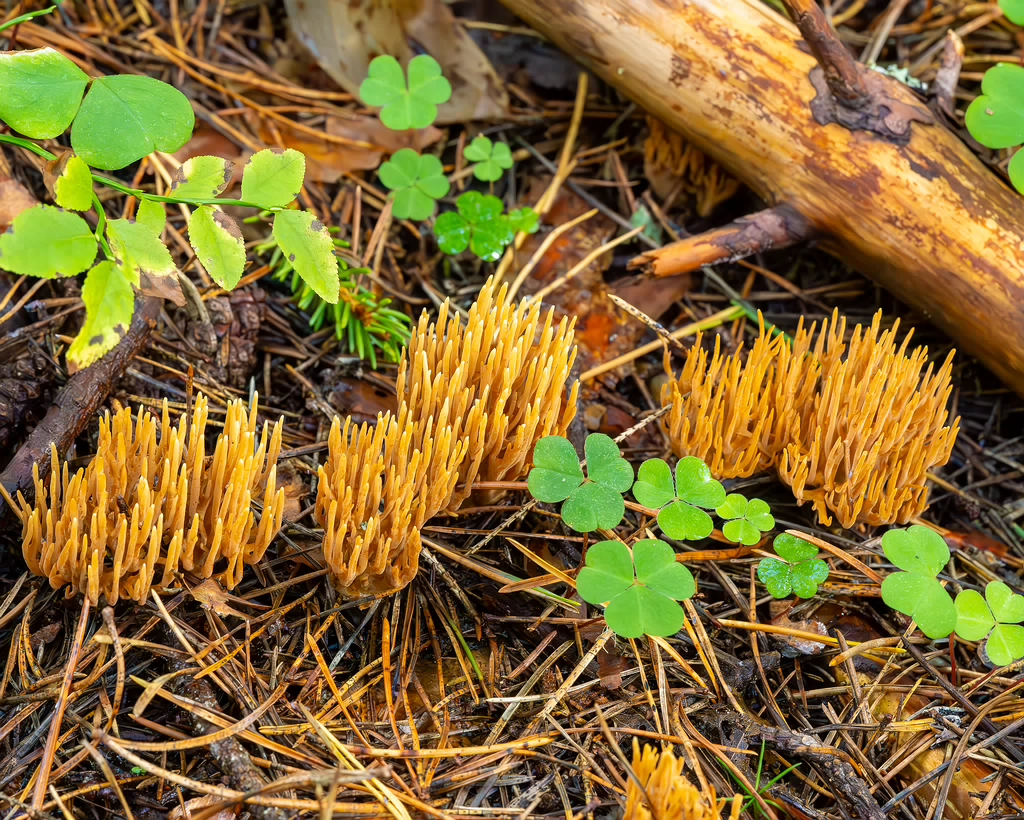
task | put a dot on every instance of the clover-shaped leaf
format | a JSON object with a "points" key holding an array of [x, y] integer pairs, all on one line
{"points": [[641, 589], [591, 502], [999, 613], [523, 220], [996, 117], [40, 91], [748, 519], [1014, 11], [479, 225], [916, 592], [492, 159], [680, 517], [404, 106], [797, 569], [416, 182]]}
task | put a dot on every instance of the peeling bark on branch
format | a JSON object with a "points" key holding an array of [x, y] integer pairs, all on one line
{"points": [[911, 207]]}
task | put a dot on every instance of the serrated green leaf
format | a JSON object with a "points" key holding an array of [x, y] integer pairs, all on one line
{"points": [[608, 572], [973, 617], [1006, 644], [916, 549], [218, 244], [405, 106], [556, 470], [46, 242], [593, 506], [126, 117], [204, 177], [109, 304], [777, 577], [654, 487], [605, 464], [695, 485], [453, 232], [73, 188], [273, 177], [684, 522], [138, 250], [1006, 605], [924, 599], [794, 549], [40, 92], [309, 248], [1014, 11], [152, 215]]}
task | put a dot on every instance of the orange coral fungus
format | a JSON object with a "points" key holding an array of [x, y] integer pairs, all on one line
{"points": [[376, 490], [722, 412], [151, 503], [863, 447], [665, 792], [503, 375]]}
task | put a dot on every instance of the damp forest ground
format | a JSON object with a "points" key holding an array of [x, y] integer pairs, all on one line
{"points": [[513, 714]]}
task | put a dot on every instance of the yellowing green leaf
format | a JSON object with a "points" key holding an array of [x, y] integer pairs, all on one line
{"points": [[137, 249], [73, 188], [152, 215], [307, 245], [201, 178], [218, 243], [40, 92], [273, 178], [109, 303], [45, 241]]}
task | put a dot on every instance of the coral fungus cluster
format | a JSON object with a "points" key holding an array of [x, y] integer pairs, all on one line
{"points": [[151, 503], [661, 790], [474, 399], [852, 428]]}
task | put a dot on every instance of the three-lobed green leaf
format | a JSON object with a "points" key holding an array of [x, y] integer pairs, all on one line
{"points": [[109, 303], [45, 241], [996, 117], [308, 246], [126, 117], [680, 515], [641, 587], [405, 105], [481, 226], [1014, 11], [273, 177], [40, 92], [922, 554], [491, 159], [797, 569], [415, 182], [996, 616], [218, 243], [746, 520]]}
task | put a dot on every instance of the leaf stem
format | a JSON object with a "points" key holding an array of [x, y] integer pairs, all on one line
{"points": [[24, 18]]}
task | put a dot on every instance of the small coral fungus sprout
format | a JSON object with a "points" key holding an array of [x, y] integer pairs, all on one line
{"points": [[152, 503]]}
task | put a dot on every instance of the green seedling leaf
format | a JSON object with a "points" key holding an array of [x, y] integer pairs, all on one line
{"points": [[999, 611], [654, 486], [973, 617], [1006, 644], [641, 589], [204, 177], [682, 519], [219, 245], [273, 177], [47, 242], [523, 220], [924, 599], [138, 250], [695, 485], [404, 106], [556, 470], [1007, 606], [1016, 170], [996, 117], [916, 549], [40, 92], [1014, 11], [453, 232], [593, 506], [109, 304], [479, 225], [796, 570], [152, 215], [73, 188], [642, 218], [605, 464], [750, 519], [492, 159], [415, 182], [308, 246], [125, 118]]}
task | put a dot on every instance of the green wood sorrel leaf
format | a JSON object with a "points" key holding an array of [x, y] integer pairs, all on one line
{"points": [[415, 182], [605, 464], [916, 592], [973, 616], [999, 611], [152, 215], [273, 178], [308, 246], [749, 519], [480, 225], [404, 106], [523, 220], [799, 570], [654, 487], [996, 117], [1014, 11], [1006, 644], [641, 589], [1016, 170], [47, 242], [73, 188], [682, 519], [1006, 605], [109, 303], [203, 178], [125, 118], [219, 245], [492, 159], [453, 232], [40, 92], [556, 470], [138, 250]]}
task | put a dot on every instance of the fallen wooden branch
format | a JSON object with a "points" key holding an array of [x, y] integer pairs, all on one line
{"points": [[858, 155]]}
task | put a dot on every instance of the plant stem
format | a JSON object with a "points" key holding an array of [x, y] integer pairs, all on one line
{"points": [[24, 18]]}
